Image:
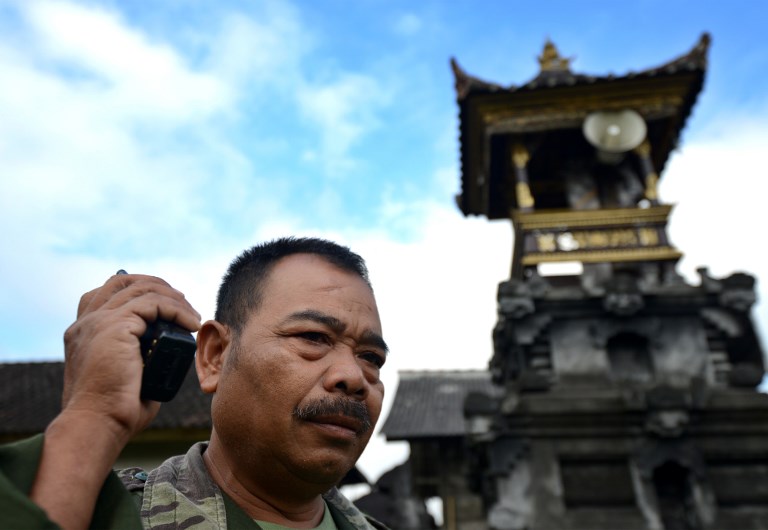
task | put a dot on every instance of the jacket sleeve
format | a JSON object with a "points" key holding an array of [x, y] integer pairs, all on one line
{"points": [[18, 466]]}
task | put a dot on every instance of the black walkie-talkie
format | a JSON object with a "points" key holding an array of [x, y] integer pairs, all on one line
{"points": [[167, 350]]}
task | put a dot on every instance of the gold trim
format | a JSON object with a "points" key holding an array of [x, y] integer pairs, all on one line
{"points": [[520, 156], [651, 186], [551, 61], [600, 256], [515, 122], [644, 149], [613, 238], [649, 237], [524, 197], [531, 113], [582, 218]]}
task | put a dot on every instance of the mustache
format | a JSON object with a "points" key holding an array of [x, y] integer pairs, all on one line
{"points": [[336, 407]]}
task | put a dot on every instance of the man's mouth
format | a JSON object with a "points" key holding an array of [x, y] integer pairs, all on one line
{"points": [[342, 413], [345, 422]]}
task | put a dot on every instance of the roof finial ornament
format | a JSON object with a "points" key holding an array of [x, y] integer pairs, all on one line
{"points": [[550, 60]]}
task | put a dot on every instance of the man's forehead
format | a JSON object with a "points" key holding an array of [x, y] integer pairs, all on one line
{"points": [[299, 261], [298, 275], [308, 267]]}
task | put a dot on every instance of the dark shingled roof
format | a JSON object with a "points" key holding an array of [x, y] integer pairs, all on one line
{"points": [[431, 403], [695, 59], [30, 394]]}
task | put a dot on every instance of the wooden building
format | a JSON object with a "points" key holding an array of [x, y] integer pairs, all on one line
{"points": [[31, 397]]}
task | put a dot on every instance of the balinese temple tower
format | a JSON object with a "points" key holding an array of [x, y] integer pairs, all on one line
{"points": [[619, 396]]}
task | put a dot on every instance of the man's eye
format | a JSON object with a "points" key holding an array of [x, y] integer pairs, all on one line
{"points": [[314, 336], [373, 358]]}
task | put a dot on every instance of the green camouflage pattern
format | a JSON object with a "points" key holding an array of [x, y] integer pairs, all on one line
{"points": [[180, 494]]}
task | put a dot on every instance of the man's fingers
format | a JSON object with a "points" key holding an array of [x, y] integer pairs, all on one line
{"points": [[93, 300], [159, 299], [152, 306]]}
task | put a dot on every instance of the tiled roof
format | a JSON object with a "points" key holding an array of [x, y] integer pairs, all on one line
{"points": [[30, 394], [695, 59], [431, 403]]}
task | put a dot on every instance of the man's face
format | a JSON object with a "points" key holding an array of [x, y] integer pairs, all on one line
{"points": [[302, 393]]}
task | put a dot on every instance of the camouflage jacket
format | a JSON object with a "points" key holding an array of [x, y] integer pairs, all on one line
{"points": [[181, 494]]}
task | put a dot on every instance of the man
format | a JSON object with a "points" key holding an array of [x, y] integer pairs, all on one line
{"points": [[292, 360]]}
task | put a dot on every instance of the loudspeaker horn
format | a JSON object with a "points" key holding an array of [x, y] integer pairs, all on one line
{"points": [[615, 132]]}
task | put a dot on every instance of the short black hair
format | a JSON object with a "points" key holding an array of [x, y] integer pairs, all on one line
{"points": [[242, 288]]}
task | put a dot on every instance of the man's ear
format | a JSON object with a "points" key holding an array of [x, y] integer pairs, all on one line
{"points": [[213, 341]]}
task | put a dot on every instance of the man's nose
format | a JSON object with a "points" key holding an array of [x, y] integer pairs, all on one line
{"points": [[345, 374]]}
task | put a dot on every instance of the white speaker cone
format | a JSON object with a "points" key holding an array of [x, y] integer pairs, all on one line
{"points": [[615, 132]]}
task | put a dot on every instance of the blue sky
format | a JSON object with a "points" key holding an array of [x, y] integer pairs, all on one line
{"points": [[166, 139]]}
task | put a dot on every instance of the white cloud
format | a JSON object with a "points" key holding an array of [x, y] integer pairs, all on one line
{"points": [[719, 182], [270, 54], [344, 110], [408, 24], [136, 78], [257, 51], [437, 292], [78, 152]]}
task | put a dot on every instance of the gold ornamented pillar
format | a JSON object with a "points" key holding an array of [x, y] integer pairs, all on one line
{"points": [[520, 159], [651, 177]]}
